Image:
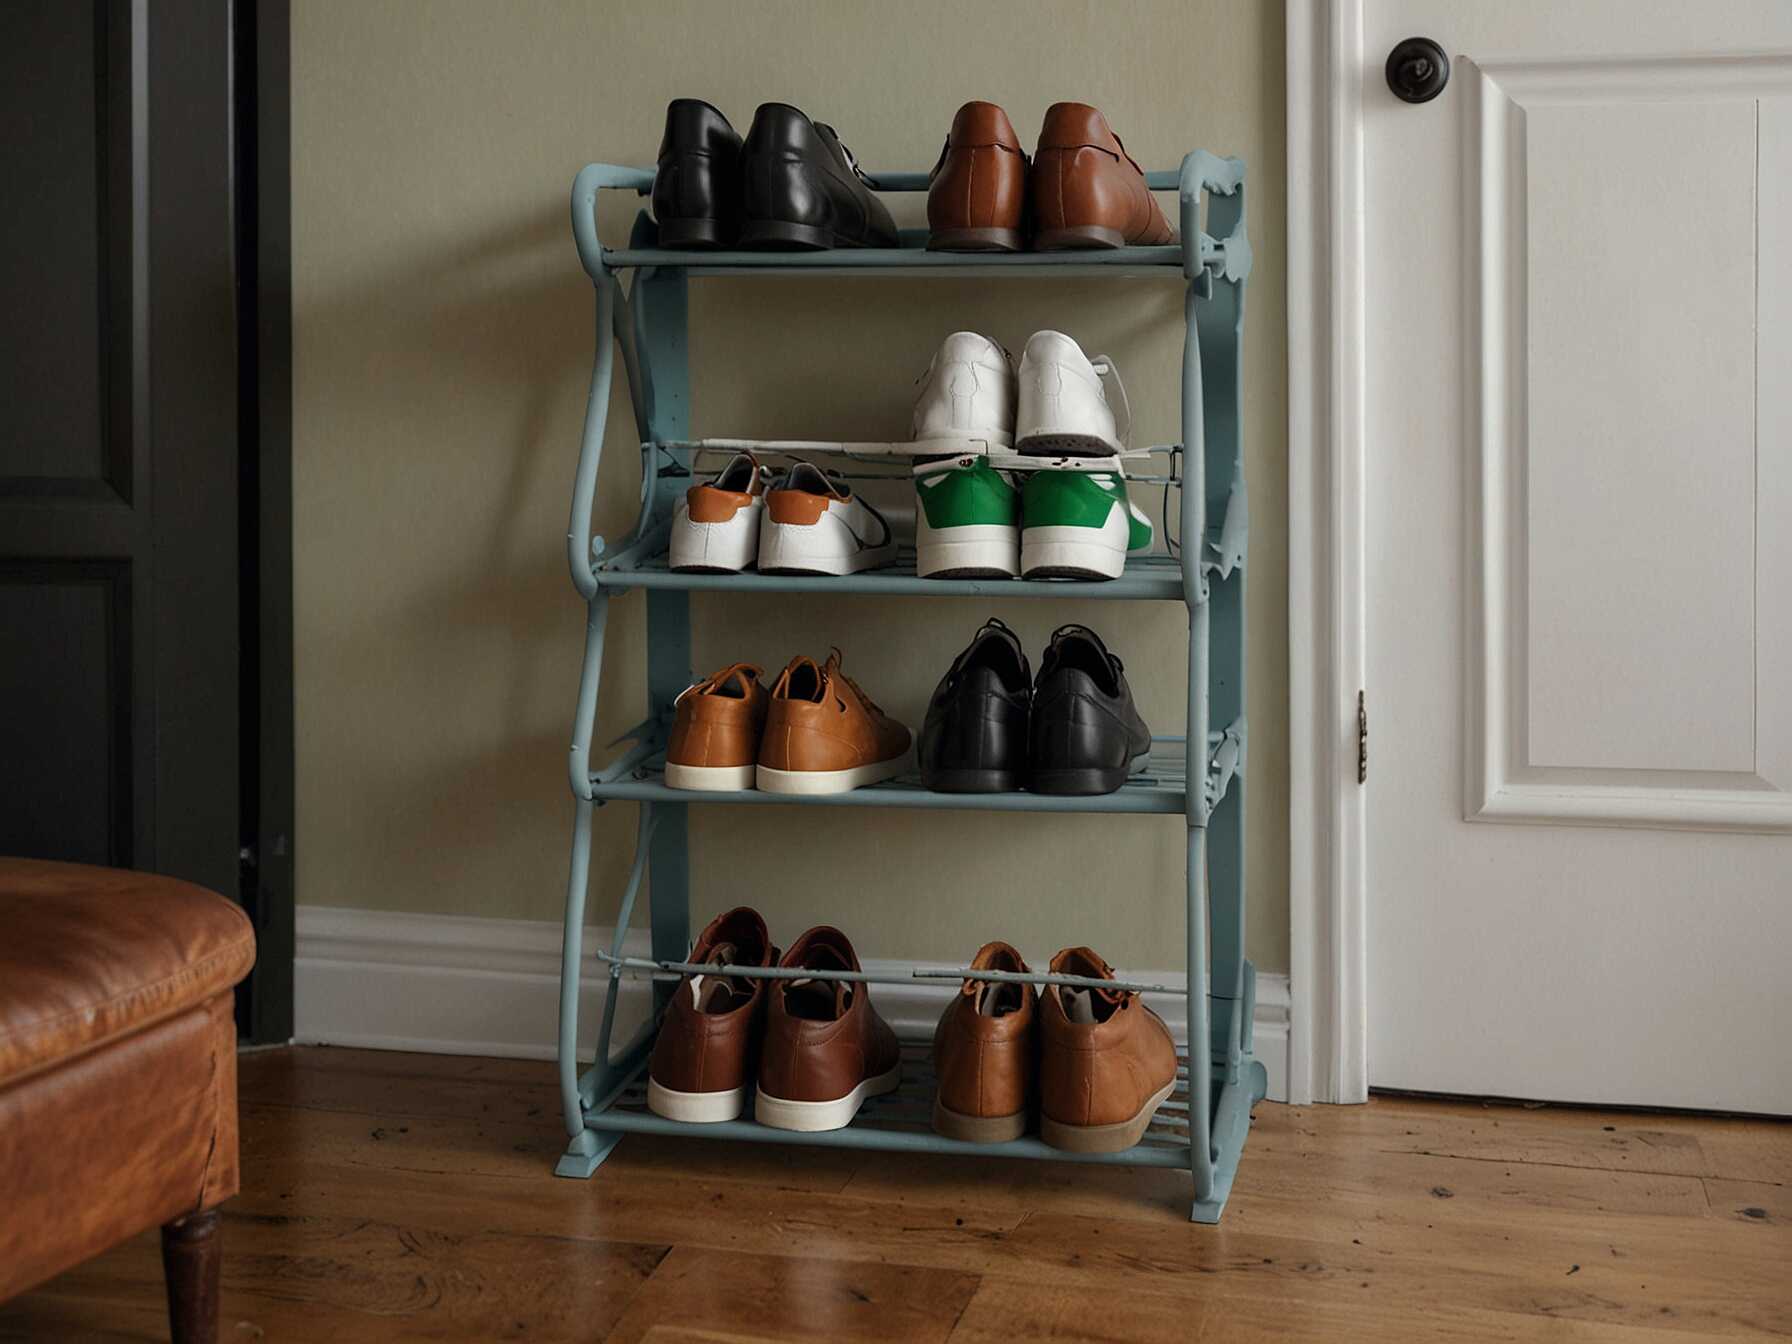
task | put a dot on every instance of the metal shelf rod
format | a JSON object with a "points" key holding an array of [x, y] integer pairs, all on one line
{"points": [[677, 970]]}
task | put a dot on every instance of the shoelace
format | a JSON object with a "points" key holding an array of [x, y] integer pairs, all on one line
{"points": [[1104, 367]]}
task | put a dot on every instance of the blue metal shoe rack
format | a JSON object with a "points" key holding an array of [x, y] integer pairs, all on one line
{"points": [[1203, 1126]]}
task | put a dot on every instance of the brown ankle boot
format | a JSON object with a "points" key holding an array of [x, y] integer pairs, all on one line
{"points": [[984, 1053], [826, 1049], [1106, 1063]]}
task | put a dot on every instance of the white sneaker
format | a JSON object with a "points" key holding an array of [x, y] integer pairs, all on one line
{"points": [[815, 524], [1063, 410], [715, 528], [967, 392]]}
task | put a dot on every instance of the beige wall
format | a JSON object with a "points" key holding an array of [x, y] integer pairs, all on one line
{"points": [[443, 340]]}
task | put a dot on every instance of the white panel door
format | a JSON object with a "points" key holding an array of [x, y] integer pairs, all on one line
{"points": [[1578, 493]]}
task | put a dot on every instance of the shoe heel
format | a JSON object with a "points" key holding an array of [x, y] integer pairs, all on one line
{"points": [[978, 1128], [1078, 236], [1049, 553], [975, 240], [775, 233], [693, 233]]}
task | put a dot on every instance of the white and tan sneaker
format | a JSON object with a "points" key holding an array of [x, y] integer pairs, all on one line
{"points": [[815, 524], [715, 528]]}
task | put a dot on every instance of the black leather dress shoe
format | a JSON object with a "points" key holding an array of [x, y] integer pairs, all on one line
{"points": [[804, 188], [974, 739], [1087, 736], [696, 191]]}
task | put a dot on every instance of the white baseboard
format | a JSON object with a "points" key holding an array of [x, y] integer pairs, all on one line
{"points": [[453, 985]]}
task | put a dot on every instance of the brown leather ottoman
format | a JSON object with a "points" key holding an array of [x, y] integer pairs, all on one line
{"points": [[117, 1074]]}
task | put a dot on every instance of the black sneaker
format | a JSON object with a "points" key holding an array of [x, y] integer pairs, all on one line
{"points": [[974, 739], [1087, 736]]}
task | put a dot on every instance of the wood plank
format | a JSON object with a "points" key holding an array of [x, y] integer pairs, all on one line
{"points": [[525, 1149], [701, 1294], [353, 1280], [1005, 1310], [1279, 1160], [1756, 1203]]}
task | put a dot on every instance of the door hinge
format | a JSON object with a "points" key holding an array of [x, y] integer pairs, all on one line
{"points": [[1362, 738]]}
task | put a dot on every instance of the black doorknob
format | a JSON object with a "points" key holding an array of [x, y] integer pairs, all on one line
{"points": [[1417, 70]]}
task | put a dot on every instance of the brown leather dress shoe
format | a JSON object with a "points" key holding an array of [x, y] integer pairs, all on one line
{"points": [[716, 731], [1086, 189], [826, 1050], [825, 735], [703, 1058], [976, 193], [1106, 1063], [984, 1051]]}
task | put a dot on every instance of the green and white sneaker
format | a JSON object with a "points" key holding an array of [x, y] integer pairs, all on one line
{"points": [[967, 521], [1079, 525]]}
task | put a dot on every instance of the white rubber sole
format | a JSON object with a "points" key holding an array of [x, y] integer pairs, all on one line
{"points": [[709, 778], [826, 547], [810, 1117], [1072, 552], [696, 1108], [722, 548], [829, 781], [975, 549]]}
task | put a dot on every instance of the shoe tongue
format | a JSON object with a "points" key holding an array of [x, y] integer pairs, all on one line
{"points": [[998, 998], [1081, 1004], [719, 993], [806, 476], [823, 959]]}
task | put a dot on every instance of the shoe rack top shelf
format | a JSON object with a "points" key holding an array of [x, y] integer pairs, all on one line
{"points": [[1197, 255]]}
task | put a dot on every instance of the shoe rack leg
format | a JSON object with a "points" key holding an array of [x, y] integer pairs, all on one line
{"points": [[659, 304], [1219, 323], [1194, 585]]}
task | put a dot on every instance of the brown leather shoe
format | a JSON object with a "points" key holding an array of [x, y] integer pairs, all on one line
{"points": [[825, 735], [826, 1050], [716, 731], [703, 1058], [976, 193], [1106, 1061], [984, 1051], [1086, 190]]}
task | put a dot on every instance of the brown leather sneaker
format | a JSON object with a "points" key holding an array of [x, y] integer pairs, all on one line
{"points": [[825, 735], [826, 1050], [1106, 1061], [976, 193], [703, 1058], [1086, 190], [716, 731], [984, 1051]]}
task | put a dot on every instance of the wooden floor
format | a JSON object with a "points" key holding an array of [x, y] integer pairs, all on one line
{"points": [[400, 1197]]}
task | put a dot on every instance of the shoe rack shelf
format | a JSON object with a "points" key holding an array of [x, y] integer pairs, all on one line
{"points": [[1229, 253], [1203, 1127]]}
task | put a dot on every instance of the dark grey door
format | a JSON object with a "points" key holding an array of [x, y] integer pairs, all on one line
{"points": [[121, 596]]}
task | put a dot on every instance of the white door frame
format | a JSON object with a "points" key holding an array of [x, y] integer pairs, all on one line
{"points": [[1328, 1038]]}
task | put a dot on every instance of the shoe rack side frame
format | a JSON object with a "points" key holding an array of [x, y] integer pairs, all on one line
{"points": [[647, 325]]}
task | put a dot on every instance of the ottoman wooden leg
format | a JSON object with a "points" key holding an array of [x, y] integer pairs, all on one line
{"points": [[191, 1253]]}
